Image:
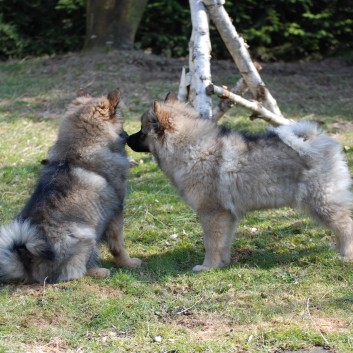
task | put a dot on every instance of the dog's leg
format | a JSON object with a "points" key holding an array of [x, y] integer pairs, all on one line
{"points": [[115, 238], [338, 218], [219, 229], [98, 272], [76, 266]]}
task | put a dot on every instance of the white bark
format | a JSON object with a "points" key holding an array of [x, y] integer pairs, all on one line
{"points": [[238, 49], [184, 85], [255, 106], [200, 55], [225, 103]]}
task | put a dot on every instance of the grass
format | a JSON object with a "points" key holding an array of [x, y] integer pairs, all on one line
{"points": [[284, 290]]}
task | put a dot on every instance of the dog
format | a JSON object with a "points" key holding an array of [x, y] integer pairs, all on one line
{"points": [[77, 202], [223, 174]]}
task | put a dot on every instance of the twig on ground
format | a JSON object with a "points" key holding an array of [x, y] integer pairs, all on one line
{"points": [[315, 324]]}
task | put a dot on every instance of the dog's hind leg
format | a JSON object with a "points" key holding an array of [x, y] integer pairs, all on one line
{"points": [[337, 217], [219, 229], [115, 239]]}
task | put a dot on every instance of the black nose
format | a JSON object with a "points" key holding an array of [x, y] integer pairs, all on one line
{"points": [[137, 142]]}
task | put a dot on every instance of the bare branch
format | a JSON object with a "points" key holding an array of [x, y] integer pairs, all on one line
{"points": [[255, 106], [225, 104], [184, 86], [238, 49]]}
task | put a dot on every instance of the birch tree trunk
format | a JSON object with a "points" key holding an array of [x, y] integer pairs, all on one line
{"points": [[238, 50], [200, 55]]}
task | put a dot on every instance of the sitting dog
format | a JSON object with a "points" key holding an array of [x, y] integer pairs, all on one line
{"points": [[223, 174], [77, 202]]}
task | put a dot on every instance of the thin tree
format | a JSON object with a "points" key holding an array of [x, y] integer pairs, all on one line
{"points": [[196, 83]]}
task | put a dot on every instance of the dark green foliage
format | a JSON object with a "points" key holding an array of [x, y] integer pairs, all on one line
{"points": [[274, 29], [40, 27], [294, 29], [165, 27]]}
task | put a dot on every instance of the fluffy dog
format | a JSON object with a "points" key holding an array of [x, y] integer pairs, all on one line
{"points": [[77, 202], [223, 174]]}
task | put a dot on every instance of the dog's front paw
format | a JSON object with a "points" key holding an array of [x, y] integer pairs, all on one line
{"points": [[131, 262], [97, 272], [201, 268], [134, 263], [346, 258]]}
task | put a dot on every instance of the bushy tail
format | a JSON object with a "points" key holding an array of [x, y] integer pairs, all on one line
{"points": [[305, 138], [323, 154], [19, 243]]}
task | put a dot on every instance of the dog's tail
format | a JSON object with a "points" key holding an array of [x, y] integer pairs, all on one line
{"points": [[322, 153], [20, 242], [308, 140]]}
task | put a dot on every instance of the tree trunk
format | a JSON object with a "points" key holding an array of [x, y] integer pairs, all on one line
{"points": [[199, 60], [112, 23], [238, 49]]}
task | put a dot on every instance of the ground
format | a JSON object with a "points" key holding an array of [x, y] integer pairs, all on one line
{"points": [[144, 78], [320, 91]]}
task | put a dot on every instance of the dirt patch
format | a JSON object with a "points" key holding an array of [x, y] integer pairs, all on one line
{"points": [[313, 350], [204, 326], [144, 78]]}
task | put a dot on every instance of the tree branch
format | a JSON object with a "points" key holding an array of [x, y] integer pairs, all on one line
{"points": [[225, 103], [255, 106], [238, 49]]}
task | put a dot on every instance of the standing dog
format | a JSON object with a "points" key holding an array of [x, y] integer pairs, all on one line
{"points": [[223, 174], [77, 202]]}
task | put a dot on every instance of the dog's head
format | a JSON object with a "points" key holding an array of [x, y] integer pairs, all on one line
{"points": [[90, 121], [155, 124], [97, 112]]}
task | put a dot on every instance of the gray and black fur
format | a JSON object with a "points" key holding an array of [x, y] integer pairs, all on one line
{"points": [[77, 202], [223, 174]]}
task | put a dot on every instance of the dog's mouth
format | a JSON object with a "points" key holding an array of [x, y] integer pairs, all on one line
{"points": [[137, 142]]}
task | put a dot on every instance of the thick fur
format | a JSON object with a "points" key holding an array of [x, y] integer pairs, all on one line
{"points": [[223, 174], [77, 202]]}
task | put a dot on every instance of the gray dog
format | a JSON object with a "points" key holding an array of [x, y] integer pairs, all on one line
{"points": [[77, 202], [223, 174]]}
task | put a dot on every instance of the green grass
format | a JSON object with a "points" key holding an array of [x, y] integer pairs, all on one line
{"points": [[285, 288]]}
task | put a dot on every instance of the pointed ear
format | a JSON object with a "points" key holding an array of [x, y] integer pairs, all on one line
{"points": [[170, 97], [114, 98], [83, 93], [163, 117]]}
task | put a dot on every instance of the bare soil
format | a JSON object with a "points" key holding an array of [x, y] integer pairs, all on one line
{"points": [[298, 87]]}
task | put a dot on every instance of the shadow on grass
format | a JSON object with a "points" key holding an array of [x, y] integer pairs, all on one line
{"points": [[181, 260]]}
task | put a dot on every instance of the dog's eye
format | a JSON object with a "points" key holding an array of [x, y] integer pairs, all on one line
{"points": [[143, 135]]}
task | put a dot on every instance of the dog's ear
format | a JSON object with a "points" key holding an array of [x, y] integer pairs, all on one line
{"points": [[163, 117], [83, 93], [170, 97], [82, 97], [114, 98]]}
